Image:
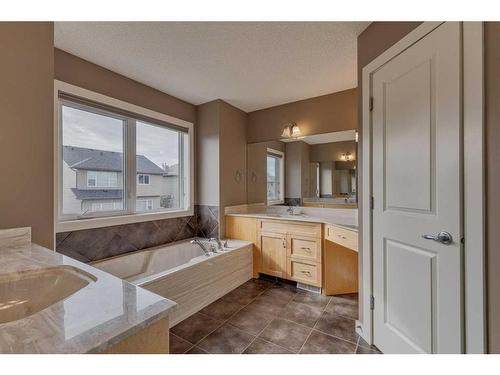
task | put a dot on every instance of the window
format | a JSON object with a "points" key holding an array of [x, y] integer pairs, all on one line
{"points": [[116, 160], [144, 205], [99, 179], [275, 177], [105, 206], [159, 152], [142, 179]]}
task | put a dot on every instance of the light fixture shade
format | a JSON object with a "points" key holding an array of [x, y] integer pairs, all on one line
{"points": [[347, 156], [286, 132], [296, 131]]}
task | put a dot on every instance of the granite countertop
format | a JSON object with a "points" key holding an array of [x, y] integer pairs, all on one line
{"points": [[101, 314], [336, 221]]}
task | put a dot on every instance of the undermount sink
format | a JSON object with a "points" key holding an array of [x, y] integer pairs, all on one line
{"points": [[285, 215], [25, 293]]}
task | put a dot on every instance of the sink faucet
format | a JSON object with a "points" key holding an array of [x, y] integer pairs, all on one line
{"points": [[290, 210], [220, 246], [202, 245]]}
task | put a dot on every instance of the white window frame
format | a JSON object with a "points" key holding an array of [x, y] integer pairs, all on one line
{"points": [[127, 216], [281, 199], [143, 175]]}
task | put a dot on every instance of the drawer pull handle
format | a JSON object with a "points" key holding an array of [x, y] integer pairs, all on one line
{"points": [[306, 249], [308, 273], [343, 237]]}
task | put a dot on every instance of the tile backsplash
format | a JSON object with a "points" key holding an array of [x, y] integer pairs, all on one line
{"points": [[94, 244]]}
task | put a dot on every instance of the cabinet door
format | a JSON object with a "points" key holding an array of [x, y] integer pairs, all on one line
{"points": [[273, 253]]}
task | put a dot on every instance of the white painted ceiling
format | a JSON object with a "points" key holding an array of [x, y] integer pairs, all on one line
{"points": [[252, 65]]}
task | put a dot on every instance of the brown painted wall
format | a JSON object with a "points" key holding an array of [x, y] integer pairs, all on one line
{"points": [[322, 114], [26, 136], [233, 157], [221, 152], [492, 117], [332, 151], [207, 153], [82, 73]]}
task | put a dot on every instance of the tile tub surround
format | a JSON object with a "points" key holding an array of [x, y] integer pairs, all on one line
{"points": [[102, 314], [270, 317], [94, 244], [207, 219]]}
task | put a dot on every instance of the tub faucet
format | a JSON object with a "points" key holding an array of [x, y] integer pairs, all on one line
{"points": [[202, 245], [220, 246]]}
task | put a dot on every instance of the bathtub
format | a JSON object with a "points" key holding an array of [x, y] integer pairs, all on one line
{"points": [[181, 272]]}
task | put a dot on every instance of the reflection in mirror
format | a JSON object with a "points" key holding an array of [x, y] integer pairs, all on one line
{"points": [[313, 171], [275, 176]]}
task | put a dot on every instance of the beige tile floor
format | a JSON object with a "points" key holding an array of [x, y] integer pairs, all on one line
{"points": [[263, 316]]}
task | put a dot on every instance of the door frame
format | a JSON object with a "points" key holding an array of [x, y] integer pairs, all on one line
{"points": [[473, 184]]}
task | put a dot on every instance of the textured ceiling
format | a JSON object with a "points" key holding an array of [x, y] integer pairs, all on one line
{"points": [[252, 65]]}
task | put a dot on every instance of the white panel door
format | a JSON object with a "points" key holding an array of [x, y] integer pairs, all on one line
{"points": [[416, 129]]}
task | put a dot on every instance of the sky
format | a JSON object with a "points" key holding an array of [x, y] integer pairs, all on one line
{"points": [[90, 130]]}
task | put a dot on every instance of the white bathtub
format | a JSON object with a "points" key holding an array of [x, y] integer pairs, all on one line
{"points": [[181, 272]]}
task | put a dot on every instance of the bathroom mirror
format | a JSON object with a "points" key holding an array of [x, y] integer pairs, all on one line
{"points": [[311, 171]]}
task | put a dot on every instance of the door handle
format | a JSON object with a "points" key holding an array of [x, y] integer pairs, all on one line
{"points": [[442, 237]]}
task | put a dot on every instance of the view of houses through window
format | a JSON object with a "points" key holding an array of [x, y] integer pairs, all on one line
{"points": [[93, 163], [274, 176]]}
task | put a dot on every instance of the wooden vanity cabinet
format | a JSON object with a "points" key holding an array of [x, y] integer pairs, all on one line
{"points": [[154, 339], [341, 260], [245, 228], [299, 258], [315, 254]]}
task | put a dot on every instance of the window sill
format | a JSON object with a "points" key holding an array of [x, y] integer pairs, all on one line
{"points": [[100, 222]]}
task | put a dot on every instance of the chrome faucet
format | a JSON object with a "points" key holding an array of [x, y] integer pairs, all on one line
{"points": [[220, 246], [202, 245], [290, 210]]}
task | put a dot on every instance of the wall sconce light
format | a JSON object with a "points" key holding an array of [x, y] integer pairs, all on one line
{"points": [[347, 157], [291, 130]]}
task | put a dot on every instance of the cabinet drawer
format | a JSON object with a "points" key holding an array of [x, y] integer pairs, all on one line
{"points": [[304, 271], [344, 237], [298, 228], [308, 248]]}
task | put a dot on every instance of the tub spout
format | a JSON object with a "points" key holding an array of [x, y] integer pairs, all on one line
{"points": [[202, 245], [220, 246]]}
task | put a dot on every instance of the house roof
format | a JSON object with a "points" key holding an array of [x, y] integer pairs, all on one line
{"points": [[100, 160], [83, 194]]}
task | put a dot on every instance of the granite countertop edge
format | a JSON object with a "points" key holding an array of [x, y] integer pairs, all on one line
{"points": [[306, 219], [94, 337]]}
